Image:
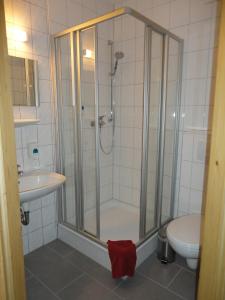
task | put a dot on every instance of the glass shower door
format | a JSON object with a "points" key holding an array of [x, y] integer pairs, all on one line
{"points": [[171, 129], [156, 63], [88, 129], [67, 115]]}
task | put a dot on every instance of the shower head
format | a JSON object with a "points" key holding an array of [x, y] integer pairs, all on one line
{"points": [[119, 55]]}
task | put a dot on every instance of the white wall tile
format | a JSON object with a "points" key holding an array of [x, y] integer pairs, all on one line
{"points": [[48, 214], [34, 205], [161, 15], [21, 13], [29, 135], [201, 10], [195, 201], [39, 19], [197, 177], [143, 5], [45, 135], [185, 177], [57, 11], [45, 113], [43, 67], [184, 199], [50, 233], [195, 91], [74, 13], [187, 147], [199, 35], [35, 220], [35, 239], [197, 64], [40, 43], [46, 155], [180, 10], [45, 90]]}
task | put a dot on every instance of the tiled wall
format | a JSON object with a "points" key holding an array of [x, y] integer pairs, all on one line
{"points": [[196, 22], [105, 36], [128, 98], [40, 19], [193, 20]]}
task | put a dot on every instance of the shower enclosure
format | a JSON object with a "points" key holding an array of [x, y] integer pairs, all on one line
{"points": [[118, 82]]}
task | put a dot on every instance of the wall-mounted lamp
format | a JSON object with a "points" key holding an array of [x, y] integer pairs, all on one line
{"points": [[87, 53], [17, 34]]}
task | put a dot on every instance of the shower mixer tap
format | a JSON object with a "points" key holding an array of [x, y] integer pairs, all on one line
{"points": [[101, 121]]}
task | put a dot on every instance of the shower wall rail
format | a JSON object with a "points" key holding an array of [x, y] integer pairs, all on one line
{"points": [[74, 44]]}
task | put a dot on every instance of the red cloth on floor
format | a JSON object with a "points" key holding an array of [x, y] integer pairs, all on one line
{"points": [[123, 258]]}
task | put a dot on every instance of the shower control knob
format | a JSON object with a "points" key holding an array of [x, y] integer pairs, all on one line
{"points": [[101, 121]]}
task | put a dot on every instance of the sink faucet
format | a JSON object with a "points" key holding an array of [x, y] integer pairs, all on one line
{"points": [[19, 171]]}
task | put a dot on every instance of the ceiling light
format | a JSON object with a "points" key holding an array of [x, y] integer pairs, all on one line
{"points": [[17, 34]]}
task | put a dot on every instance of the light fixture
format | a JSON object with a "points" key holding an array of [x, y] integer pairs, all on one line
{"points": [[87, 53], [16, 34]]}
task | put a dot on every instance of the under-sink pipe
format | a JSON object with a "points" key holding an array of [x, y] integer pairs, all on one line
{"points": [[25, 214]]}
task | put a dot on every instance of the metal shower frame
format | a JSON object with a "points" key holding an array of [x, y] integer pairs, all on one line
{"points": [[74, 33]]}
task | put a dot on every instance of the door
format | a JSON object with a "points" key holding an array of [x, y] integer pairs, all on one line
{"points": [[154, 42], [89, 132], [12, 277]]}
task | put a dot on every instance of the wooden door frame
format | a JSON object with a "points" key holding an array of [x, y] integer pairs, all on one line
{"points": [[12, 281], [212, 262]]}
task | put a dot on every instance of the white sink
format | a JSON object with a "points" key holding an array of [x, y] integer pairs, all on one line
{"points": [[37, 184]]}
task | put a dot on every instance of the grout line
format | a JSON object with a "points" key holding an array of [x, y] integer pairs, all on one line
{"points": [[69, 283], [93, 278], [43, 284], [186, 269], [160, 285], [175, 276], [56, 252]]}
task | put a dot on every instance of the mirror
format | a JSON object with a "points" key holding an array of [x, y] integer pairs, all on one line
{"points": [[24, 81]]}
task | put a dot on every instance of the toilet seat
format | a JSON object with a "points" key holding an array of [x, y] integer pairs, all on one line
{"points": [[184, 235]]}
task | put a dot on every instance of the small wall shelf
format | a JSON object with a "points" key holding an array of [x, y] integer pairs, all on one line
{"points": [[25, 122]]}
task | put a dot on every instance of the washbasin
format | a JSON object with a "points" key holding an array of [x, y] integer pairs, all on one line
{"points": [[34, 185]]}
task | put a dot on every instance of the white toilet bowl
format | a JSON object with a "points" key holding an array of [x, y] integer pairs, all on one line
{"points": [[184, 237]]}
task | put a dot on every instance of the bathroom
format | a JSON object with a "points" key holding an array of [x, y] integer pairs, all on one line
{"points": [[112, 183]]}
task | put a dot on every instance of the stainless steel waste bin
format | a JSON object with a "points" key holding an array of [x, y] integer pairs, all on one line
{"points": [[165, 253]]}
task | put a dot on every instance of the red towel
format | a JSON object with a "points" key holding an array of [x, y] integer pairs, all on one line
{"points": [[123, 258]]}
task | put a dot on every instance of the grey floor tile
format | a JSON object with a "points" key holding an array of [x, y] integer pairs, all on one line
{"points": [[184, 284], [61, 248], [104, 276], [52, 269], [36, 291], [142, 288], [81, 261], [93, 269], [154, 269], [86, 288]]}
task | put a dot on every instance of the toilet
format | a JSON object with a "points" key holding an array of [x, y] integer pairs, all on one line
{"points": [[183, 234]]}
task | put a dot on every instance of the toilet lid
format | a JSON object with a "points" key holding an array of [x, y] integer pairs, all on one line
{"points": [[185, 229]]}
